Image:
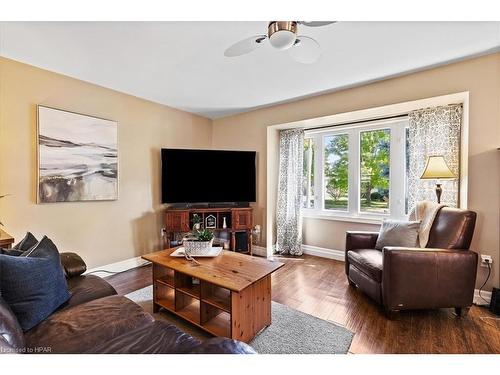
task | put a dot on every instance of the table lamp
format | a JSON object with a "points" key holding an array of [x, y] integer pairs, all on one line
{"points": [[437, 169]]}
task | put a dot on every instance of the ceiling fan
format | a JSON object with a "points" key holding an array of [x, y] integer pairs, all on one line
{"points": [[282, 35]]}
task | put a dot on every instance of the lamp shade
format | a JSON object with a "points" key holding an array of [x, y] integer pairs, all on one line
{"points": [[436, 168]]}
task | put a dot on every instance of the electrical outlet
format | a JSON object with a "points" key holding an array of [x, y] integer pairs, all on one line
{"points": [[485, 259]]}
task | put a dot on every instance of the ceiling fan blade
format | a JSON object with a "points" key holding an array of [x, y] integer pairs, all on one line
{"points": [[305, 50], [315, 23], [245, 46]]}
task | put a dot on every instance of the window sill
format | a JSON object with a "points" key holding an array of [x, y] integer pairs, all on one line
{"points": [[350, 219]]}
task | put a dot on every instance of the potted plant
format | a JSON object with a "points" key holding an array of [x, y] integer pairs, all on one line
{"points": [[196, 220], [199, 242]]}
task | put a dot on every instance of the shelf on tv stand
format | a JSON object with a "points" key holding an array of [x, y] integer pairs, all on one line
{"points": [[238, 219]]}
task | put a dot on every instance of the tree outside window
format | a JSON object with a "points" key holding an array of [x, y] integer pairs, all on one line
{"points": [[374, 173], [336, 172]]}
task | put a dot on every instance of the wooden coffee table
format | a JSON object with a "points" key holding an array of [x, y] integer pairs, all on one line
{"points": [[229, 295]]}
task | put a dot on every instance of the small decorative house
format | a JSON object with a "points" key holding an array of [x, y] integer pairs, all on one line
{"points": [[210, 222]]}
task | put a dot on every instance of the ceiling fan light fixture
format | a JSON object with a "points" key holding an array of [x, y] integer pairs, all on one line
{"points": [[282, 34]]}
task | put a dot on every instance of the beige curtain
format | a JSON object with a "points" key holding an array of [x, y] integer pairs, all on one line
{"points": [[433, 131]]}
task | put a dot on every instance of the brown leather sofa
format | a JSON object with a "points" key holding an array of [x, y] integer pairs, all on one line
{"points": [[97, 320], [439, 276]]}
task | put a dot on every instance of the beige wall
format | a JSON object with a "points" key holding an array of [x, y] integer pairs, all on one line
{"points": [[480, 76], [101, 232]]}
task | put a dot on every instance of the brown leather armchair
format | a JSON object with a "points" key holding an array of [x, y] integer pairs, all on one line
{"points": [[439, 276]]}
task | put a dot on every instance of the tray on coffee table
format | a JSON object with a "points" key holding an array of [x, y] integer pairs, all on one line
{"points": [[213, 252]]}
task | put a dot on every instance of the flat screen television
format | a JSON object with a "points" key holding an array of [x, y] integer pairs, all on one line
{"points": [[207, 176]]}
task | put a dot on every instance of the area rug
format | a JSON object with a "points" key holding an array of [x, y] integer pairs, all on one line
{"points": [[291, 331]]}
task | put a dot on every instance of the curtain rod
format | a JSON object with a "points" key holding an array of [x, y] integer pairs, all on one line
{"points": [[358, 122]]}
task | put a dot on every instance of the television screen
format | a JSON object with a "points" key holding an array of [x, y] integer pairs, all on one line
{"points": [[207, 176]]}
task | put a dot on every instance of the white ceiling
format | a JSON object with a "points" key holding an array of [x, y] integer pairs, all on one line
{"points": [[182, 64]]}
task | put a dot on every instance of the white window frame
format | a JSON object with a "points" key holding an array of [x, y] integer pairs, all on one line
{"points": [[397, 174]]}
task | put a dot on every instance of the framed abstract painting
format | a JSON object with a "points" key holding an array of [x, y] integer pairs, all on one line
{"points": [[77, 157]]}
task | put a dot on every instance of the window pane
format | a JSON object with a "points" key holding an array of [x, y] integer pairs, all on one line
{"points": [[308, 174], [336, 172], [374, 177]]}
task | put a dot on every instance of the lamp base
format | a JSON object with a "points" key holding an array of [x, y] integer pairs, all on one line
{"points": [[439, 191]]}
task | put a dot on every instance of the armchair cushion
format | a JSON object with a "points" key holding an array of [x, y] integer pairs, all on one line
{"points": [[156, 338], [397, 233], [81, 328], [368, 261], [87, 288], [452, 228]]}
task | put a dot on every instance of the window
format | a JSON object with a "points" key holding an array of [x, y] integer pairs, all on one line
{"points": [[361, 170], [336, 165]]}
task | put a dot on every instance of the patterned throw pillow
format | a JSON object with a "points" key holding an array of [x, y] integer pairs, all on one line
{"points": [[398, 233], [33, 284]]}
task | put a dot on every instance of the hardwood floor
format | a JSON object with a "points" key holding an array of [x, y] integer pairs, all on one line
{"points": [[319, 287]]}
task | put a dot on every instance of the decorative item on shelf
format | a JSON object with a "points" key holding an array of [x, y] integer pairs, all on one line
{"points": [[437, 169], [198, 242], [196, 220], [256, 235], [210, 222], [224, 224]]}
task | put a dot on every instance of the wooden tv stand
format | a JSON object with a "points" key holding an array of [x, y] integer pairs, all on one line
{"points": [[238, 220]]}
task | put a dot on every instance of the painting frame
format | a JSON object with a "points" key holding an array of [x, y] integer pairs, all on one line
{"points": [[112, 169]]}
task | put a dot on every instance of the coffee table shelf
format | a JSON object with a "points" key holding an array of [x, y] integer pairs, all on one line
{"points": [[190, 312], [164, 295], [220, 325], [190, 290], [165, 276], [166, 280], [216, 296], [165, 303]]}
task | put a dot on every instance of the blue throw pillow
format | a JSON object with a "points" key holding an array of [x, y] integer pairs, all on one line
{"points": [[33, 285], [26, 243], [12, 252]]}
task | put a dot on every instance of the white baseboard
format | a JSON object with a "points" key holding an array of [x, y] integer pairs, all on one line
{"points": [[480, 301], [324, 252], [121, 266], [259, 251]]}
